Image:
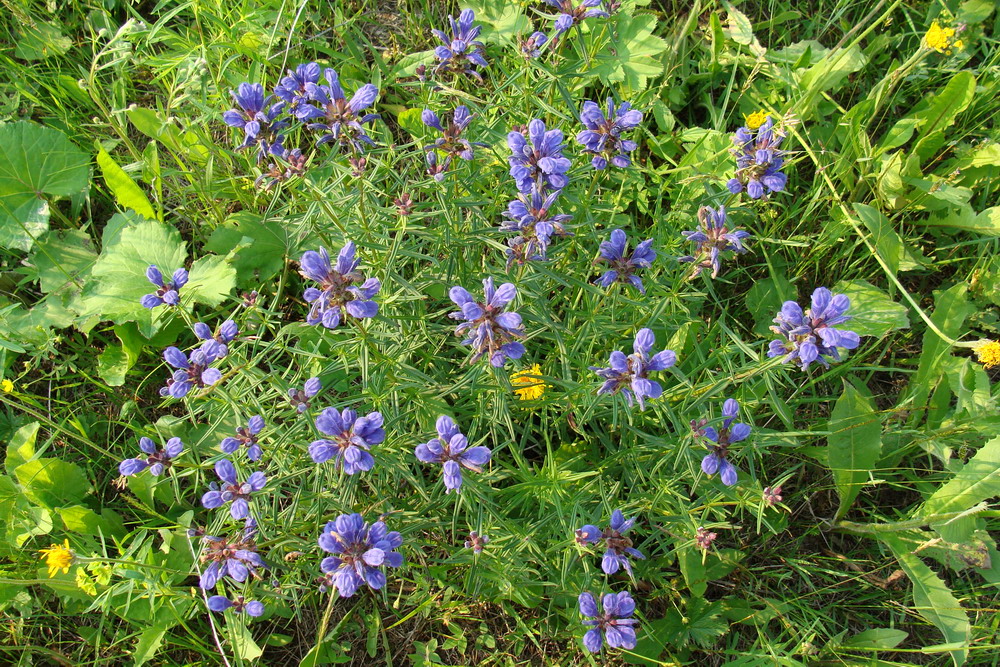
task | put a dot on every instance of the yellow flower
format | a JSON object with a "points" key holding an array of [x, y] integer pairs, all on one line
{"points": [[989, 354], [756, 119], [57, 557], [6, 385], [528, 388], [941, 38]]}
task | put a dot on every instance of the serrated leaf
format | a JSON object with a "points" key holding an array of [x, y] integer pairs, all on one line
{"points": [[39, 41], [978, 480], [872, 312], [126, 192], [502, 21], [933, 600], [35, 161], [63, 260], [630, 60], [262, 248], [853, 446], [740, 28], [149, 643], [21, 448], [211, 280], [52, 482]]}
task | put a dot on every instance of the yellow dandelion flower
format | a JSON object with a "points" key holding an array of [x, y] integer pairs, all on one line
{"points": [[941, 38], [57, 557], [756, 119], [528, 388], [6, 385], [988, 354]]}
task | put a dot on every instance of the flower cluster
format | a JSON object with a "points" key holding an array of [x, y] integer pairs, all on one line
{"points": [[257, 118], [246, 436], [491, 330], [988, 353], [451, 449], [299, 398], [602, 138], [352, 437], [529, 217], [167, 292], [618, 547], [758, 160], [452, 144], [236, 558], [461, 52], [226, 334], [536, 158], [232, 490], [528, 384], [628, 375], [157, 460], [614, 625], [943, 38], [361, 552], [813, 335], [338, 292], [713, 237], [716, 461], [570, 13], [192, 372], [623, 266], [339, 119]]}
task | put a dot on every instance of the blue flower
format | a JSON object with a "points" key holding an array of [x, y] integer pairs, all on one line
{"points": [[341, 119], [628, 374], [226, 333], [623, 268], [239, 605], [258, 124], [758, 161], [537, 159], [491, 330], [232, 490], [293, 89], [569, 13], [352, 437], [192, 373], [713, 238], [166, 292], [451, 144], [532, 46], [437, 170], [813, 336], [614, 625], [157, 460], [246, 436], [451, 449], [235, 559], [362, 552], [299, 398], [338, 290], [617, 547], [529, 216], [460, 53], [602, 138], [716, 461]]}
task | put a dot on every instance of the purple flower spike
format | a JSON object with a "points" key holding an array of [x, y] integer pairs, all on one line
{"points": [[236, 558], [623, 268], [166, 291], [232, 491], [246, 436], [615, 625], [602, 138], [812, 335], [193, 372], [532, 46], [529, 216], [341, 119], [293, 88], [536, 158], [570, 13], [628, 374], [461, 52], [618, 546], [225, 335], [361, 553], [157, 460], [342, 288], [758, 161], [299, 398], [491, 331], [256, 119], [351, 438], [713, 237], [717, 461], [450, 448], [239, 605]]}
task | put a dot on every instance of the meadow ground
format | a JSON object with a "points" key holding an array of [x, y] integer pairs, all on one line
{"points": [[735, 362]]}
